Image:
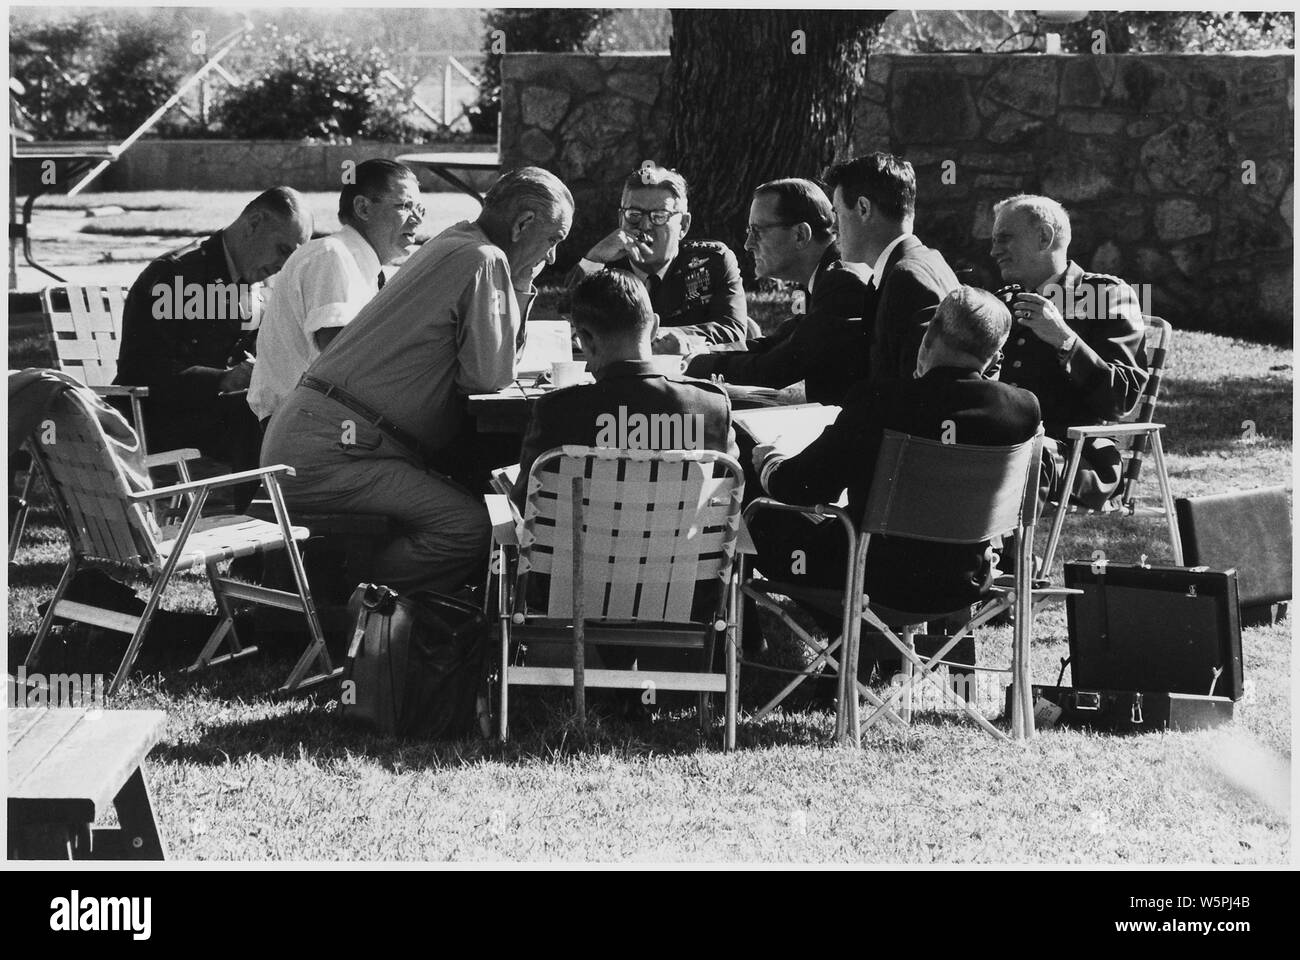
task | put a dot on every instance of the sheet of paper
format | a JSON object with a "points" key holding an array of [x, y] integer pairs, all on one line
{"points": [[799, 424], [548, 341]]}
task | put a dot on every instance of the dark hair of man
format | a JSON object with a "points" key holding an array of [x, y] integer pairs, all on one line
{"points": [[371, 178], [973, 321], [283, 202], [527, 189], [889, 182], [660, 178], [801, 201], [612, 303]]}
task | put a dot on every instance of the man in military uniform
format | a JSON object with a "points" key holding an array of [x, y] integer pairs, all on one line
{"points": [[188, 326], [694, 285], [826, 342], [1076, 342]]}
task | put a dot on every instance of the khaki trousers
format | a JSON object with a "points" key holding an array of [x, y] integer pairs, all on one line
{"points": [[346, 465]]}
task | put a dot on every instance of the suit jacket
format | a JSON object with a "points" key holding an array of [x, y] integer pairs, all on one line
{"points": [[827, 347], [1105, 372], [914, 281], [180, 359], [585, 414], [700, 293], [908, 574]]}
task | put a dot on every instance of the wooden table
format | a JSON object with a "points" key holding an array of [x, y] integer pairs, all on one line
{"points": [[441, 165], [65, 767]]}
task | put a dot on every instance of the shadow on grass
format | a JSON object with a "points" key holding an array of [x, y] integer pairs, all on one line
{"points": [[1209, 416]]}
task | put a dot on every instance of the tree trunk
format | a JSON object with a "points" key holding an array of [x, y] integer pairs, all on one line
{"points": [[758, 95]]}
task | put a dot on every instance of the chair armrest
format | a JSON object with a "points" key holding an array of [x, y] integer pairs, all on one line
{"points": [[816, 510], [1113, 430], [114, 390], [171, 457], [227, 480], [504, 517]]}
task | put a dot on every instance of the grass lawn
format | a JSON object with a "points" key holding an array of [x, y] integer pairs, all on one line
{"points": [[240, 776]]}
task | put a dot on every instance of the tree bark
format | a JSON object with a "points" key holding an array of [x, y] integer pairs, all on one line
{"points": [[758, 95]]}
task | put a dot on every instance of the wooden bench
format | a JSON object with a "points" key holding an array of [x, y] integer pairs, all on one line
{"points": [[65, 767]]}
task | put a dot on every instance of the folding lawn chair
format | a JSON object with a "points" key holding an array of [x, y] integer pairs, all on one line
{"points": [[926, 490], [1142, 434], [85, 328], [635, 549], [101, 488]]}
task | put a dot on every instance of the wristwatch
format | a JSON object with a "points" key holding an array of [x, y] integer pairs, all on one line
{"points": [[1063, 354]]}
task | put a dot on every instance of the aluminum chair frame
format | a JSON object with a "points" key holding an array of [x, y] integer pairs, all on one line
{"points": [[1143, 432], [616, 590], [999, 496], [107, 520], [94, 320]]}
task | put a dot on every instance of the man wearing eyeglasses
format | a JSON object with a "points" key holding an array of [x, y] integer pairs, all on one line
{"points": [[825, 343], [325, 282], [694, 285]]}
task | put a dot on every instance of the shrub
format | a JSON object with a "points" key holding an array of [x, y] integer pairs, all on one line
{"points": [[139, 68], [315, 90], [53, 62]]}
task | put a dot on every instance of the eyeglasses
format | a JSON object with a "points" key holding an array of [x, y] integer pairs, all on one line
{"points": [[634, 215], [755, 231], [407, 207]]}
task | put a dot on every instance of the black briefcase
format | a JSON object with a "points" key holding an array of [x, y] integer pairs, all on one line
{"points": [[1249, 532], [1126, 711], [1172, 629]]}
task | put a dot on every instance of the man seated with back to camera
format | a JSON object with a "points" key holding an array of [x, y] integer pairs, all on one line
{"points": [[948, 393], [616, 327], [630, 406]]}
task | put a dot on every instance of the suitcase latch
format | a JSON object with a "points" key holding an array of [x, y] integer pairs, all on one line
{"points": [[1087, 700], [1136, 713]]}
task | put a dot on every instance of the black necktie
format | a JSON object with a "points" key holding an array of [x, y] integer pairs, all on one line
{"points": [[381, 280], [652, 284]]}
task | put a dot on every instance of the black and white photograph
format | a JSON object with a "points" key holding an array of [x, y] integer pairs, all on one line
{"points": [[652, 437]]}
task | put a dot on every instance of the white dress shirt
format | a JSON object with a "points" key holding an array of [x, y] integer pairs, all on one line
{"points": [[323, 284], [878, 270]]}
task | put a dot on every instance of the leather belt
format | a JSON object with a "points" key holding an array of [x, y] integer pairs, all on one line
{"points": [[366, 412]]}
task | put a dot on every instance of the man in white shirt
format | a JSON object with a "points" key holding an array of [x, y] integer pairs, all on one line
{"points": [[327, 281]]}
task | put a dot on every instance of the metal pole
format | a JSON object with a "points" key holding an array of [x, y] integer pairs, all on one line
{"points": [[171, 101]]}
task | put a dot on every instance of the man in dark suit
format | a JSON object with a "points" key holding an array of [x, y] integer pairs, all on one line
{"points": [[1076, 342], [630, 404], [875, 206], [189, 323], [694, 285], [825, 343], [948, 395]]}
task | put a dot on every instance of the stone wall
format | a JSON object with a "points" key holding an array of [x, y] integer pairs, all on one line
{"points": [[255, 165], [592, 120], [1178, 170]]}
